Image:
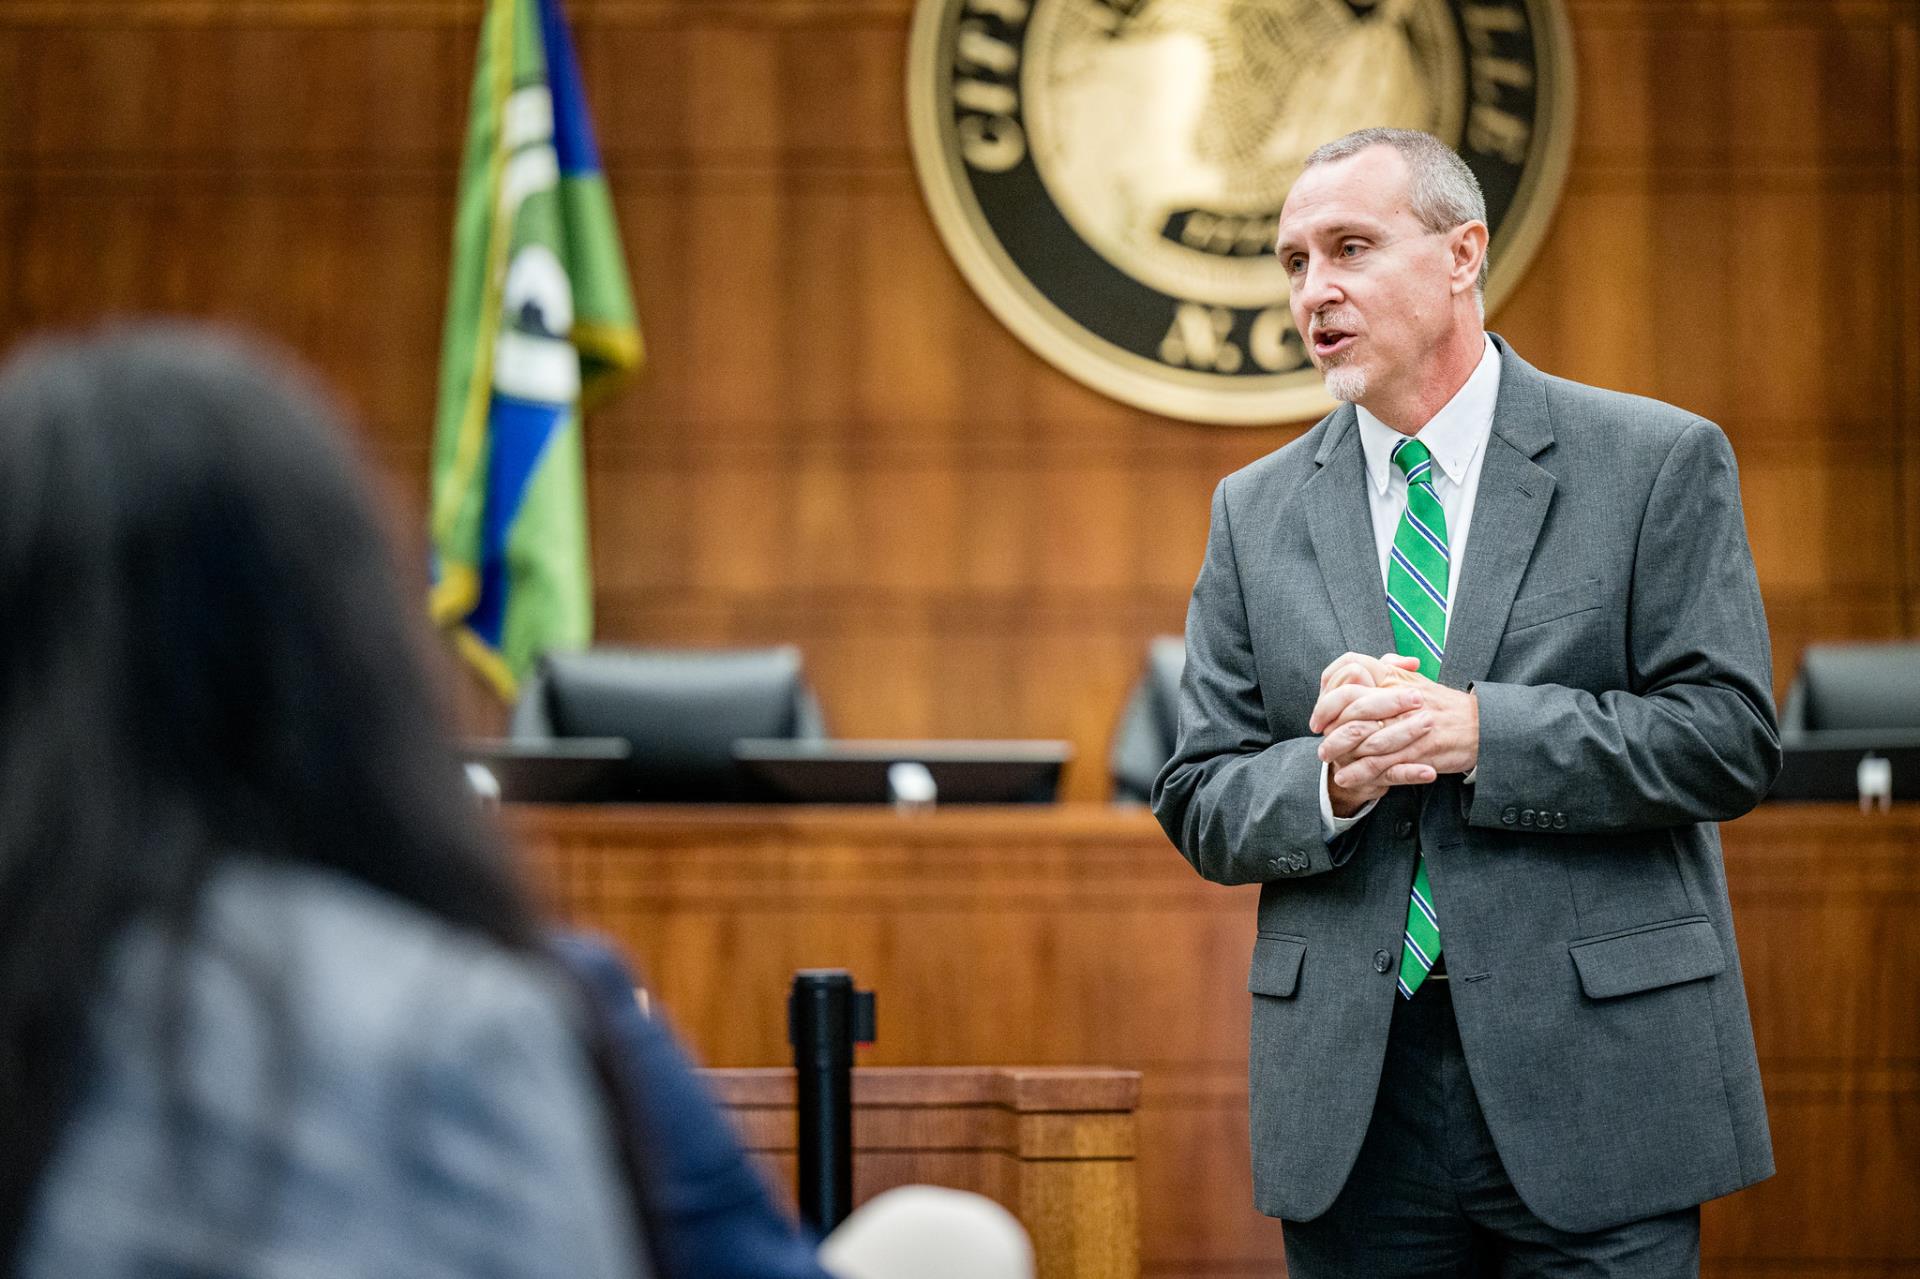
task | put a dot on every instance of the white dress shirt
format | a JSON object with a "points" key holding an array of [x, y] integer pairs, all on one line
{"points": [[1457, 437]]}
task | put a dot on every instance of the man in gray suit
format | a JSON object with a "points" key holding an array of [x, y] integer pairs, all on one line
{"points": [[1498, 1020]]}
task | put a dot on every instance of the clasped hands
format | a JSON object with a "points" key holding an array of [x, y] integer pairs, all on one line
{"points": [[1383, 724]]}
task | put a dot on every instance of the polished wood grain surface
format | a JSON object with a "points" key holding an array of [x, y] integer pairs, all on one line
{"points": [[1077, 936], [1053, 1145], [836, 444]]}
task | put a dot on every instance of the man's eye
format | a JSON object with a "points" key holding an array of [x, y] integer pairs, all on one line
{"points": [[1296, 264], [1350, 249]]}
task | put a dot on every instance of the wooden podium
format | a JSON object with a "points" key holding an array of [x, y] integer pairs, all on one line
{"points": [[1054, 1146], [1076, 934]]}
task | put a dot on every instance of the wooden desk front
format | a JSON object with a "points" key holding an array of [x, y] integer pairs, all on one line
{"points": [[1055, 1146], [1077, 936]]}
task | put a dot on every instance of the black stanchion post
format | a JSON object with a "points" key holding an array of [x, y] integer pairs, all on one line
{"points": [[826, 1017]]}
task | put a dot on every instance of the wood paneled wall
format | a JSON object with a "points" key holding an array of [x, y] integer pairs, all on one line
{"points": [[836, 444]]}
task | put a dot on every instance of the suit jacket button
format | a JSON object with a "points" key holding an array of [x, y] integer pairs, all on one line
{"points": [[1526, 817], [1277, 866], [1404, 828], [1559, 821], [1297, 862], [1382, 961], [1508, 816]]}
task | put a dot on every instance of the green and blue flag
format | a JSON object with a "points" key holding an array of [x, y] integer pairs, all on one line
{"points": [[540, 325]]}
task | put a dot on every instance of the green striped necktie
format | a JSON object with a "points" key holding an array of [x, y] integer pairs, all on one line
{"points": [[1417, 601]]}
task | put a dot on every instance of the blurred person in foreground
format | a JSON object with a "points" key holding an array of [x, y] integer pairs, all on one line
{"points": [[1498, 1022], [271, 1003]]}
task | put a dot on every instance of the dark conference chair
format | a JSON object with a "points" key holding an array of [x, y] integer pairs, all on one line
{"points": [[1855, 688], [1851, 728], [1144, 741], [681, 709]]}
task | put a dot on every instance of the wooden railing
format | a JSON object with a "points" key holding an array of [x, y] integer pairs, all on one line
{"points": [[1055, 1146]]}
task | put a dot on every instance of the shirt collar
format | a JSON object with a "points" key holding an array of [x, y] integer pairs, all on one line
{"points": [[1454, 434]]}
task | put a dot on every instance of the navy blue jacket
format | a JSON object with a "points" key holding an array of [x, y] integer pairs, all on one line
{"points": [[712, 1214]]}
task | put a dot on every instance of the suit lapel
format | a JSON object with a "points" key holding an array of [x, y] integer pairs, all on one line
{"points": [[1512, 505], [1341, 525]]}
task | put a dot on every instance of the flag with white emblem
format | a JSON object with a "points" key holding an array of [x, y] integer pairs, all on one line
{"points": [[540, 323]]}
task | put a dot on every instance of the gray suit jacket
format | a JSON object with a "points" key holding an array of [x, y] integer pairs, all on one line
{"points": [[1608, 618]]}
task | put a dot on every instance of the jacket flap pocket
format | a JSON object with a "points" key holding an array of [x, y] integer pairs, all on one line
{"points": [[1648, 958], [1276, 965], [1548, 606]]}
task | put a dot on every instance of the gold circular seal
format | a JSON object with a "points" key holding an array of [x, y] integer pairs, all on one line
{"points": [[1108, 174]]}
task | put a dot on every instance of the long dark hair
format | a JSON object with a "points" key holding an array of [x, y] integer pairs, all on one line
{"points": [[205, 649]]}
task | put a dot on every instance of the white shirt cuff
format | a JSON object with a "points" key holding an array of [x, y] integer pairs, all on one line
{"points": [[1334, 827], [1471, 774]]}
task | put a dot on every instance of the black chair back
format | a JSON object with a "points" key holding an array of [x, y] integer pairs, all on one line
{"points": [[1855, 687], [681, 709], [1150, 723]]}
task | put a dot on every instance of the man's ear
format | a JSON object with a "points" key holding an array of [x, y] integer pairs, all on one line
{"points": [[1469, 249]]}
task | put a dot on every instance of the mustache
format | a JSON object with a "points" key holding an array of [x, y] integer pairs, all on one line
{"points": [[1343, 321]]}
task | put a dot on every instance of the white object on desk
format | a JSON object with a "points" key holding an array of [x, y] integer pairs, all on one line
{"points": [[1875, 777], [485, 785], [911, 786]]}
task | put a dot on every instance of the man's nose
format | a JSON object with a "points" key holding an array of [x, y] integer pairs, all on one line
{"points": [[1319, 287]]}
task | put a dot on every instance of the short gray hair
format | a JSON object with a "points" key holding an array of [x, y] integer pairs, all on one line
{"points": [[1442, 189]]}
